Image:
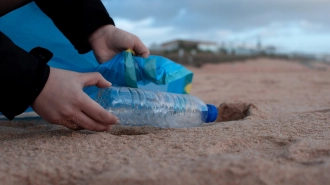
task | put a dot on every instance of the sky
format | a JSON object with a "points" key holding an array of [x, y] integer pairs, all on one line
{"points": [[289, 25]]}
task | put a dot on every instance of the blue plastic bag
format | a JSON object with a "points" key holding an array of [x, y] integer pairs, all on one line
{"points": [[29, 27]]}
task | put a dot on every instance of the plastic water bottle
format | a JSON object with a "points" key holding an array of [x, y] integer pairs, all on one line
{"points": [[138, 107]]}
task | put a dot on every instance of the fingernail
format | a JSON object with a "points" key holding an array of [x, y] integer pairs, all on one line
{"points": [[117, 122]]}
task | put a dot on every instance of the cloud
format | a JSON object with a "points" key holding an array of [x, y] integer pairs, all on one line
{"points": [[144, 29], [282, 22], [230, 14]]}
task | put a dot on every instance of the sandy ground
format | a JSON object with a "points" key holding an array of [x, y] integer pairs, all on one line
{"points": [[283, 139]]}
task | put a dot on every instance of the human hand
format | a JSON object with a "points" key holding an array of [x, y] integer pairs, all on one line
{"points": [[62, 101], [107, 41]]}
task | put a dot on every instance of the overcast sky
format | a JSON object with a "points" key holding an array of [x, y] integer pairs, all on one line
{"points": [[290, 25]]}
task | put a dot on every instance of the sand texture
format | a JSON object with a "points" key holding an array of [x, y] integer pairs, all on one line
{"points": [[273, 128]]}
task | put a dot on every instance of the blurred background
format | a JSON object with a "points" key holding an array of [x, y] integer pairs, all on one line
{"points": [[194, 31]]}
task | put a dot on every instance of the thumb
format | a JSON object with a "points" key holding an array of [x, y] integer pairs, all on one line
{"points": [[140, 48], [95, 78]]}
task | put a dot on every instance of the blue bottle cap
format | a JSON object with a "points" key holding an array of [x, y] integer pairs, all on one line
{"points": [[212, 113]]}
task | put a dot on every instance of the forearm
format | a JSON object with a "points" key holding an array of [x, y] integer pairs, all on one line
{"points": [[22, 76], [77, 20]]}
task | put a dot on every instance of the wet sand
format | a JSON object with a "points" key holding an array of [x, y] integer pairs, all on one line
{"points": [[274, 128]]}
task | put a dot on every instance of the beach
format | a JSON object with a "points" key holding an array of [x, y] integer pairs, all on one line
{"points": [[273, 128]]}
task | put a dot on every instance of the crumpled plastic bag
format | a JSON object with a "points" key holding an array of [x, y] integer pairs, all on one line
{"points": [[154, 73]]}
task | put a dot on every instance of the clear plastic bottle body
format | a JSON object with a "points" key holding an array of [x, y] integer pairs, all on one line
{"points": [[137, 107]]}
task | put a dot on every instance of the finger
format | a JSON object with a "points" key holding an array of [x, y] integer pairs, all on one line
{"points": [[88, 123], [95, 78], [140, 48], [69, 124], [97, 112]]}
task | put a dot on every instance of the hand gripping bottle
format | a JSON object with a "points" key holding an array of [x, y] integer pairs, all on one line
{"points": [[138, 107]]}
